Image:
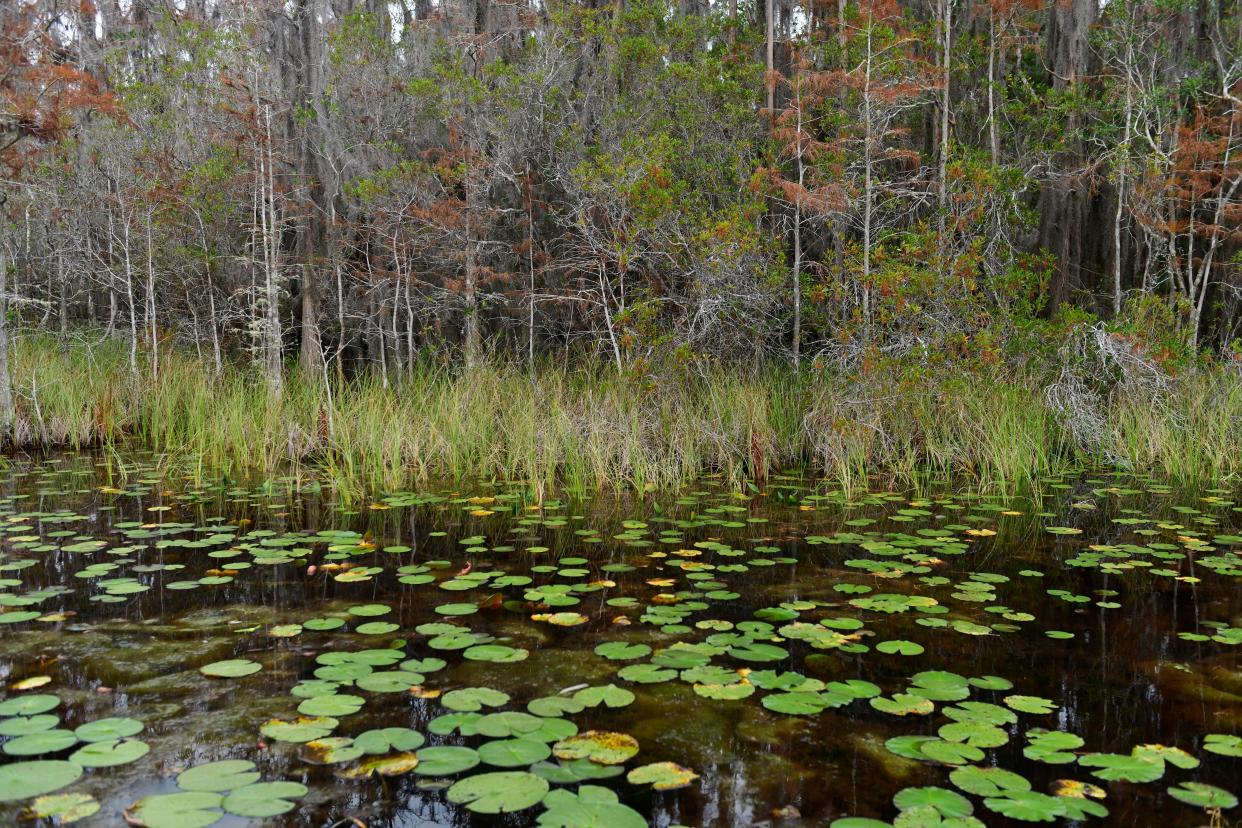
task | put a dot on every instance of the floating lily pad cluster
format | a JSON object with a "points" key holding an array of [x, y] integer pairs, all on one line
{"points": [[391, 660]]}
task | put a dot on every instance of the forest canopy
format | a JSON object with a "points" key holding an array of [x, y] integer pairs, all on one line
{"points": [[369, 185]]}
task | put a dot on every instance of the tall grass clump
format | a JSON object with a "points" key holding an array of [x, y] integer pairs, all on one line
{"points": [[591, 427]]}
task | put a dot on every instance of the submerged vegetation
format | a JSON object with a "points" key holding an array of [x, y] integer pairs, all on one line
{"points": [[587, 429], [178, 650]]}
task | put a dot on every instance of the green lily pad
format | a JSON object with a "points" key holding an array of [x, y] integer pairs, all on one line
{"points": [[724, 692], [646, 673], [899, 647], [1027, 806], [1223, 744], [37, 744], [1118, 768], [471, 699], [903, 704], [609, 695], [29, 705], [495, 653], [264, 799], [509, 723], [388, 681], [446, 760], [574, 771], [1030, 704], [386, 739], [192, 809], [795, 703], [1163, 753], [1051, 746], [109, 754], [232, 668], [105, 730], [1201, 795], [514, 753], [25, 725], [590, 806], [499, 793], [23, 780], [986, 781], [333, 705], [622, 651], [947, 803], [974, 734]]}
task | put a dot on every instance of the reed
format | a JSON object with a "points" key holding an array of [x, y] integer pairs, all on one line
{"points": [[589, 427]]}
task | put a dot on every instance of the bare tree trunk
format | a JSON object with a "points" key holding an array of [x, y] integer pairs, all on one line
{"points": [[340, 320], [1121, 202], [530, 259], [947, 22], [216, 357], [604, 294], [797, 233], [151, 311], [471, 345], [868, 188], [272, 332], [993, 132], [133, 310], [771, 58], [7, 413], [316, 139]]}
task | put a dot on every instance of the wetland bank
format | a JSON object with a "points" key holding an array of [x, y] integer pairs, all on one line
{"points": [[183, 650]]}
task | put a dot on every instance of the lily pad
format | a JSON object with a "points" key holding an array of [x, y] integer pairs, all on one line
{"points": [[1201, 795], [192, 809], [1223, 744], [23, 780], [591, 805], [947, 803], [29, 705], [37, 744], [232, 668], [109, 754], [104, 730], [622, 651], [64, 808], [332, 705], [609, 695], [499, 793], [446, 760], [264, 799], [987, 781], [514, 753], [471, 699], [1027, 806], [384, 740], [299, 730], [662, 776], [601, 746]]}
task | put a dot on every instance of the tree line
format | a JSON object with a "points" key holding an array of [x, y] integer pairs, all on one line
{"points": [[367, 184]]}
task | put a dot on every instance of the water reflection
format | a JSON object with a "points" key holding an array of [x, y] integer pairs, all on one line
{"points": [[270, 558]]}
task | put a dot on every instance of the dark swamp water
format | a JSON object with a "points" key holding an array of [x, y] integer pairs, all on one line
{"points": [[433, 658]]}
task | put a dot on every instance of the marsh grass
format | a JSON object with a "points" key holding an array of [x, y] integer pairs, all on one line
{"points": [[591, 428]]}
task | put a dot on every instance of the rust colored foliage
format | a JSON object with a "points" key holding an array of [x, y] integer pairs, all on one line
{"points": [[40, 87]]}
